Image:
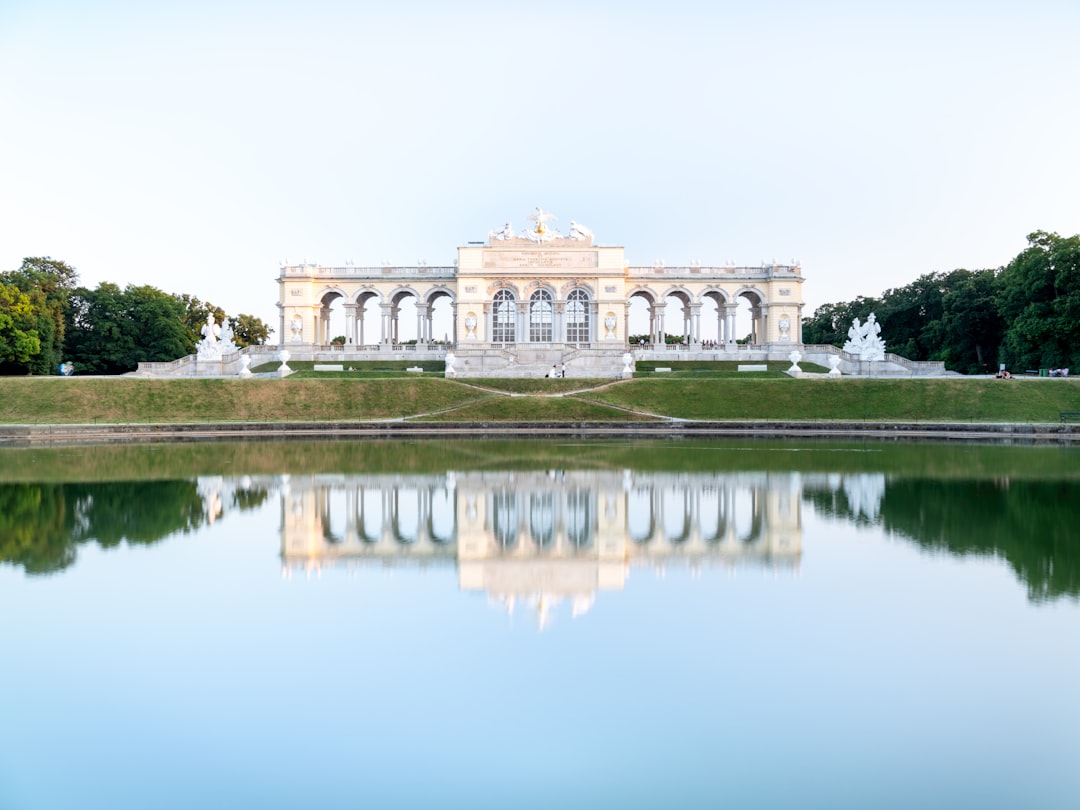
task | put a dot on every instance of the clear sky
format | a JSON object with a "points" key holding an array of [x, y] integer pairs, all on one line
{"points": [[194, 145]]}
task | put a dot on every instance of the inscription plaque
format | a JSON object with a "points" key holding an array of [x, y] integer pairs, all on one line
{"points": [[540, 259]]}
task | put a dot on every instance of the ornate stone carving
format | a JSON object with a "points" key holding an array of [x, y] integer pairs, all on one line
{"points": [[864, 340]]}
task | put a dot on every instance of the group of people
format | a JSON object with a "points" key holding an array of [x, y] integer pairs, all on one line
{"points": [[557, 370], [1059, 372], [1003, 375]]}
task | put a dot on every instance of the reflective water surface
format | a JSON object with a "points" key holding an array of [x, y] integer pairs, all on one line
{"points": [[530, 624]]}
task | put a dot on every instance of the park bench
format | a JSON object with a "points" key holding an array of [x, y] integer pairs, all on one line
{"points": [[1070, 416], [662, 369], [329, 367], [753, 367]]}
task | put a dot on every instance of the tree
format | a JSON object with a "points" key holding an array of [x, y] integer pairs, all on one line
{"points": [[111, 331], [1040, 302], [19, 341], [249, 331], [830, 322], [47, 283], [195, 313], [968, 334]]}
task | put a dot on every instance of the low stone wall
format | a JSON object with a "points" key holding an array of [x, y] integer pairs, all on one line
{"points": [[1019, 433]]}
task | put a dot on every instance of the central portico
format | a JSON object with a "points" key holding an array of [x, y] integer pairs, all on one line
{"points": [[524, 301]]}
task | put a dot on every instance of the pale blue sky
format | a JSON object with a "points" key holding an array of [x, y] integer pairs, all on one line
{"points": [[192, 146]]}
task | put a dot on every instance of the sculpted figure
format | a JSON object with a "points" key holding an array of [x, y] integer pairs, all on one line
{"points": [[507, 232], [864, 340], [209, 348], [210, 330], [227, 338], [580, 232]]}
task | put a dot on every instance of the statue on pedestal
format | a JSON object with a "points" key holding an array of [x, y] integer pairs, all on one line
{"points": [[209, 347], [864, 340]]}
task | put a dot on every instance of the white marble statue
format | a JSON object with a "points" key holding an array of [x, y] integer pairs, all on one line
{"points": [[209, 347], [609, 325], [507, 232], [541, 232], [227, 339], [785, 327], [470, 327], [245, 363], [450, 370], [297, 327], [834, 366], [864, 340], [580, 232], [284, 369], [628, 362], [795, 357]]}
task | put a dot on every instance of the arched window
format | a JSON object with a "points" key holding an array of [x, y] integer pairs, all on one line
{"points": [[577, 317], [503, 317], [540, 317]]}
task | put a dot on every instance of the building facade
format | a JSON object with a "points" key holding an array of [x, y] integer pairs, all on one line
{"points": [[542, 292]]}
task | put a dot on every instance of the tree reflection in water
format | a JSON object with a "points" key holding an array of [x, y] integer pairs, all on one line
{"points": [[1032, 524]]}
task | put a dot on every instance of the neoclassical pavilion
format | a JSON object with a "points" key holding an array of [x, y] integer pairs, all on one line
{"points": [[538, 295]]}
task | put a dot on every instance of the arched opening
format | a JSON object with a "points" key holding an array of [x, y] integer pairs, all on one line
{"points": [[578, 321], [440, 316], [503, 315], [715, 325], [403, 318], [749, 326], [367, 331], [331, 317], [678, 321], [541, 313], [639, 316]]}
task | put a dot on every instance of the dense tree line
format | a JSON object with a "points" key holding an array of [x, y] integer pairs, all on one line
{"points": [[1025, 315], [46, 319]]}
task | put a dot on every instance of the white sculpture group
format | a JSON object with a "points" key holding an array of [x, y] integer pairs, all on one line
{"points": [[217, 341], [541, 231], [864, 340]]}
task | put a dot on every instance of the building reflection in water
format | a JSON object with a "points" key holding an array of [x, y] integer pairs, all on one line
{"points": [[541, 538]]}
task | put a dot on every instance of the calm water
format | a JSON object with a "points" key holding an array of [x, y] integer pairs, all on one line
{"points": [[540, 624]]}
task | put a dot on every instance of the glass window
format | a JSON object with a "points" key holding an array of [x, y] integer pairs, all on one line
{"points": [[540, 310]]}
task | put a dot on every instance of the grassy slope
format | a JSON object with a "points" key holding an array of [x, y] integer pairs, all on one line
{"points": [[57, 400], [976, 400]]}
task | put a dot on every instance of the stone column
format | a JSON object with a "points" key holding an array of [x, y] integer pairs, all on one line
{"points": [[423, 325], [729, 331], [695, 324], [350, 323], [658, 330], [386, 338], [521, 324]]}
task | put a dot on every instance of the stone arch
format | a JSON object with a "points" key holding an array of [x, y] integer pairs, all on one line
{"points": [[570, 286], [330, 321], [641, 302], [503, 284], [679, 321], [750, 320], [716, 305], [366, 311], [401, 307], [438, 305]]}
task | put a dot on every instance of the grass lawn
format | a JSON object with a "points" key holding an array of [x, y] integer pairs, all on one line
{"points": [[848, 399], [29, 400]]}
